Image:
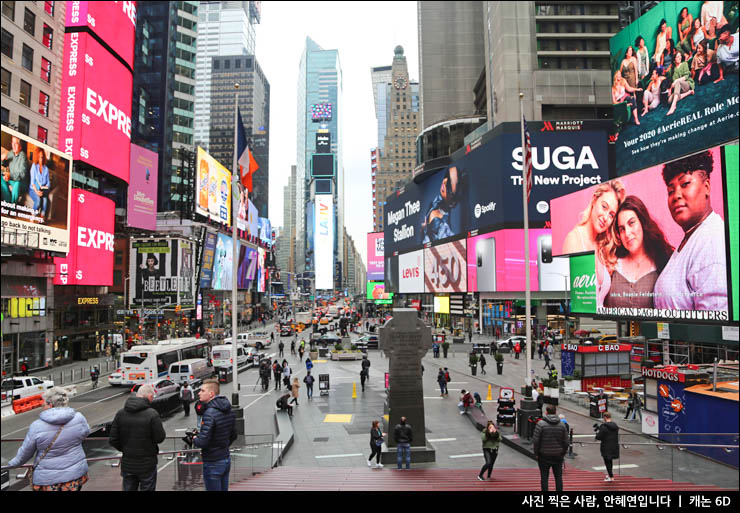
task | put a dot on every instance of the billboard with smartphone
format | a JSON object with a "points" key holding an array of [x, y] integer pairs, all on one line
{"points": [[90, 257], [113, 22], [36, 192], [142, 189], [445, 268], [375, 253], [659, 239], [95, 121]]}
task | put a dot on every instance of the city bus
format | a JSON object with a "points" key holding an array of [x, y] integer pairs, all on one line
{"points": [[147, 363]]}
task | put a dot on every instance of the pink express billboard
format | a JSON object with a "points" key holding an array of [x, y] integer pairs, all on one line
{"points": [[90, 257], [142, 189], [113, 22], [95, 120], [375, 271]]}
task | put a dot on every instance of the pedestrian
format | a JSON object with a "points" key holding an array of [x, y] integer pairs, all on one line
{"points": [[283, 405], [482, 362], [294, 391], [608, 435], [541, 348], [470, 336], [286, 374], [365, 372], [442, 380], [217, 433], [24, 368], [272, 336], [550, 350], [517, 350], [309, 364], [199, 408], [56, 440], [634, 407], [292, 346], [494, 347], [277, 370], [136, 431], [376, 444], [466, 401], [547, 359], [491, 439], [550, 445], [435, 349], [301, 350], [403, 436], [308, 380], [186, 397], [281, 347]]}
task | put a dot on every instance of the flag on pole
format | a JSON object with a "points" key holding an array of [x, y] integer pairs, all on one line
{"points": [[527, 158], [245, 160]]}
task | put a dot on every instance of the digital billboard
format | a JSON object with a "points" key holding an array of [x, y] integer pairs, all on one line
{"points": [[213, 195], [323, 235], [247, 266], [265, 230], [321, 111], [659, 240], [685, 97], [733, 226], [162, 272], [322, 164], [209, 254], [90, 257], [375, 255], [262, 272], [445, 268], [142, 189], [441, 304], [411, 272], [376, 290], [496, 263], [36, 191], [113, 22], [223, 263], [390, 269], [481, 190], [95, 121], [323, 142]]}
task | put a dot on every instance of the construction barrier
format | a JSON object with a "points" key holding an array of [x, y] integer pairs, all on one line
{"points": [[27, 403]]}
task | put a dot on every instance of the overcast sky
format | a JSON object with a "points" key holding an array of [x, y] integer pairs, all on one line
{"points": [[365, 33]]}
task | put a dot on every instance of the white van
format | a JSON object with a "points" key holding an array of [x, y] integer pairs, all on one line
{"points": [[222, 356], [241, 339], [191, 371]]}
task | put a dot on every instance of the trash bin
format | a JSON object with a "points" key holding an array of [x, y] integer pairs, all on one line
{"points": [[224, 374], [323, 352], [323, 384], [597, 405]]}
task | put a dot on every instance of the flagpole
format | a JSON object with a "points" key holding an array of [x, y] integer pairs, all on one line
{"points": [[528, 347], [234, 258]]}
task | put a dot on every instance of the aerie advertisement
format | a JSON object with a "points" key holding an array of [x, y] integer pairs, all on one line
{"points": [[90, 257], [142, 189], [36, 188], [658, 236], [95, 121]]}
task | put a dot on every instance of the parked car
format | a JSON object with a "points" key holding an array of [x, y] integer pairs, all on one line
{"points": [[286, 330], [511, 342], [162, 387], [369, 340], [19, 387], [116, 378], [254, 355]]}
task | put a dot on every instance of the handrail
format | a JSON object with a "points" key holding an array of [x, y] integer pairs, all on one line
{"points": [[657, 444]]}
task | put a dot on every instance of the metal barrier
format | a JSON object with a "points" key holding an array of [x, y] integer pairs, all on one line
{"points": [[179, 467]]}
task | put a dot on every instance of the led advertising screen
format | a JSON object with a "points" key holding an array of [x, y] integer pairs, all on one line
{"points": [[262, 273], [36, 192], [322, 164], [390, 268], [213, 197], [95, 121], [445, 268], [376, 290], [142, 189], [247, 266], [322, 186], [90, 257], [681, 58], [411, 272], [375, 255], [209, 252], [323, 235], [733, 226], [162, 272], [658, 237], [223, 263], [482, 190], [323, 142], [321, 112], [496, 263], [265, 230], [441, 305], [113, 22]]}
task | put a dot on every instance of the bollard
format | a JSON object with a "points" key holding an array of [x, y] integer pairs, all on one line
{"points": [[354, 390], [489, 397]]}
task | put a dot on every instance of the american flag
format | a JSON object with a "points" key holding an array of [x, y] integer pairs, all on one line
{"points": [[527, 158]]}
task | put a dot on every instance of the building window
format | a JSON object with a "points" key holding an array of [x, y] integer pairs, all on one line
{"points": [[43, 104], [5, 81], [216, 64], [9, 10], [23, 125], [25, 96], [227, 64], [29, 22], [4, 116], [45, 69], [48, 36], [7, 43], [27, 58], [42, 135]]}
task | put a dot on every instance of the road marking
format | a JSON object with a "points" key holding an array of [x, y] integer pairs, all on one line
{"points": [[263, 395], [252, 395], [629, 465], [478, 455], [441, 439], [243, 455], [434, 398], [166, 465], [338, 456]]}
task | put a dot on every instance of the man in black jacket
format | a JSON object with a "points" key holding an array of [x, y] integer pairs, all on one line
{"points": [[608, 434], [217, 433], [403, 435], [136, 430], [365, 372], [550, 445]]}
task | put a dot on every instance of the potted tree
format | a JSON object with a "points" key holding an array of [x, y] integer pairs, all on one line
{"points": [[445, 347], [499, 363], [473, 360]]}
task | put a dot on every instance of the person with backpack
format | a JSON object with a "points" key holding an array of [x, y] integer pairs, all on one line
{"points": [[482, 361], [186, 397], [550, 446], [309, 380], [309, 364], [634, 407], [442, 382], [491, 440]]}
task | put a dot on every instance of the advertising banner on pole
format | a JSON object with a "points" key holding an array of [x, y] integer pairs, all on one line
{"points": [[36, 192], [162, 273], [142, 189]]}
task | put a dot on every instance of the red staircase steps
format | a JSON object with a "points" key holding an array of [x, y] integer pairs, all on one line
{"points": [[440, 480]]}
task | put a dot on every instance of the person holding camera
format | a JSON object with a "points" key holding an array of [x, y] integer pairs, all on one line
{"points": [[608, 434], [217, 433], [491, 439]]}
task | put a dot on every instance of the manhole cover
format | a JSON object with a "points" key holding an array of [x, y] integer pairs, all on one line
{"points": [[323, 439]]}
